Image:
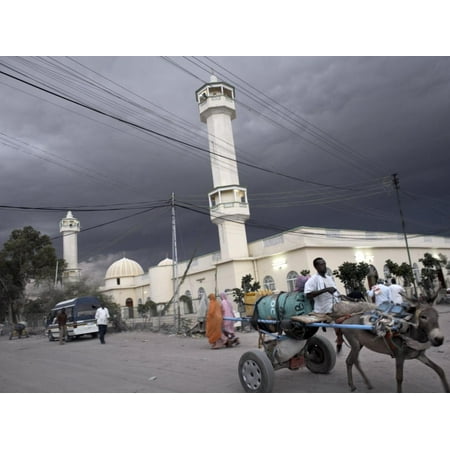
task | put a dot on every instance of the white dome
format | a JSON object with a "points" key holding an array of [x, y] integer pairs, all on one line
{"points": [[124, 268], [165, 262]]}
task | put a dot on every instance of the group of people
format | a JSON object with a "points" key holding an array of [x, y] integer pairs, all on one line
{"points": [[212, 316], [101, 316], [322, 289], [380, 292]]}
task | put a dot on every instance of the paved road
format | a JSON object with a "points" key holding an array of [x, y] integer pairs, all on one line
{"points": [[146, 362]]}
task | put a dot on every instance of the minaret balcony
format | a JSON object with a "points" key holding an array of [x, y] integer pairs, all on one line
{"points": [[215, 97], [71, 225], [229, 201]]}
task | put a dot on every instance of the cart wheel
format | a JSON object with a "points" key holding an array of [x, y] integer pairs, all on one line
{"points": [[320, 355], [256, 373], [50, 336]]}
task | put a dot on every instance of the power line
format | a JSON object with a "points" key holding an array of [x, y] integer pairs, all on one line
{"points": [[289, 116], [162, 135]]}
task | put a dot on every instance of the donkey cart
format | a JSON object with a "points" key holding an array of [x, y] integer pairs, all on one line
{"points": [[287, 339]]}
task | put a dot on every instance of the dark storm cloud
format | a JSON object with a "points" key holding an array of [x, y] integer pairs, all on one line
{"points": [[389, 114]]}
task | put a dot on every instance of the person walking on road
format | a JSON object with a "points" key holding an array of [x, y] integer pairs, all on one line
{"points": [[102, 316], [228, 325], [201, 313], [61, 318], [214, 323]]}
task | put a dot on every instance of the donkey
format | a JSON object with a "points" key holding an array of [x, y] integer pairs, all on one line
{"points": [[422, 332]]}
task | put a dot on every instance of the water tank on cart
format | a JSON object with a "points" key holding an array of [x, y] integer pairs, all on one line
{"points": [[280, 308]]}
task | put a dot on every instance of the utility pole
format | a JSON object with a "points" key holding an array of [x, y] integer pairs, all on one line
{"points": [[396, 182], [176, 305], [56, 273]]}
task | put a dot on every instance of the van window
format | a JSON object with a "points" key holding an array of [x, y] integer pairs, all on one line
{"points": [[86, 312]]}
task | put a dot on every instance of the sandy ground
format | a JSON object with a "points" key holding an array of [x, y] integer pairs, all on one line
{"points": [[142, 387], [146, 362]]}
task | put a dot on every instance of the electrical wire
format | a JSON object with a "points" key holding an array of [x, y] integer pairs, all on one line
{"points": [[154, 132]]}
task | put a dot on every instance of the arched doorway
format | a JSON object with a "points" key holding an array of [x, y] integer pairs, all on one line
{"points": [[129, 305], [372, 276]]}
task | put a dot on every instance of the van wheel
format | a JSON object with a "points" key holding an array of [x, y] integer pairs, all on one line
{"points": [[94, 335], [50, 336]]}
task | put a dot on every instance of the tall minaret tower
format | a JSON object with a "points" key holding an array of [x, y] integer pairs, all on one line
{"points": [[228, 202], [70, 227]]}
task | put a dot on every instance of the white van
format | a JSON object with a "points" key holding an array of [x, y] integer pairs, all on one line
{"points": [[80, 318]]}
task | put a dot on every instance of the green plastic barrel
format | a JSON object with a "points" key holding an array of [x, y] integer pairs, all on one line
{"points": [[280, 308], [283, 306]]}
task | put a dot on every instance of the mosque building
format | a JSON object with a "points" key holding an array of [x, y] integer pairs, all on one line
{"points": [[275, 261]]}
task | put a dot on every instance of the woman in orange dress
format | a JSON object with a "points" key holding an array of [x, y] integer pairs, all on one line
{"points": [[214, 323]]}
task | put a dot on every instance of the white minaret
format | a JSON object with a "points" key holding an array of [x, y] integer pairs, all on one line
{"points": [[70, 227], [228, 202]]}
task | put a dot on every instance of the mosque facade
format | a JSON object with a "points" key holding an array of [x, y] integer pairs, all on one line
{"points": [[275, 261]]}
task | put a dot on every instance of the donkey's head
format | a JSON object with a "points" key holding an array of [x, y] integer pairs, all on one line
{"points": [[426, 321]]}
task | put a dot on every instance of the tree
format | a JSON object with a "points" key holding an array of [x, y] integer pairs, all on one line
{"points": [[392, 267], [431, 270], [352, 275], [49, 296], [148, 307], [246, 286], [406, 272], [27, 256], [403, 270]]}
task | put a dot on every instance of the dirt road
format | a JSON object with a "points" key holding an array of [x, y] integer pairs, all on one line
{"points": [[146, 362]]}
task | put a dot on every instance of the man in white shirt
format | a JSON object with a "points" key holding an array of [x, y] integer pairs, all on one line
{"points": [[396, 292], [379, 292], [102, 316], [320, 288]]}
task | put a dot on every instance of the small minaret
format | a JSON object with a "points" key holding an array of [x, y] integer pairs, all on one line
{"points": [[228, 202], [70, 227]]}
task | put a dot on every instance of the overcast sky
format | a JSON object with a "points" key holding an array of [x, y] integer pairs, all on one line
{"points": [[318, 138]]}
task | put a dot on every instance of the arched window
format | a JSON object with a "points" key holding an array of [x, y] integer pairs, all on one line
{"points": [[291, 277], [269, 283], [187, 304]]}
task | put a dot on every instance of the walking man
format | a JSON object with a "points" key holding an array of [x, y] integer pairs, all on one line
{"points": [[102, 316], [61, 318]]}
